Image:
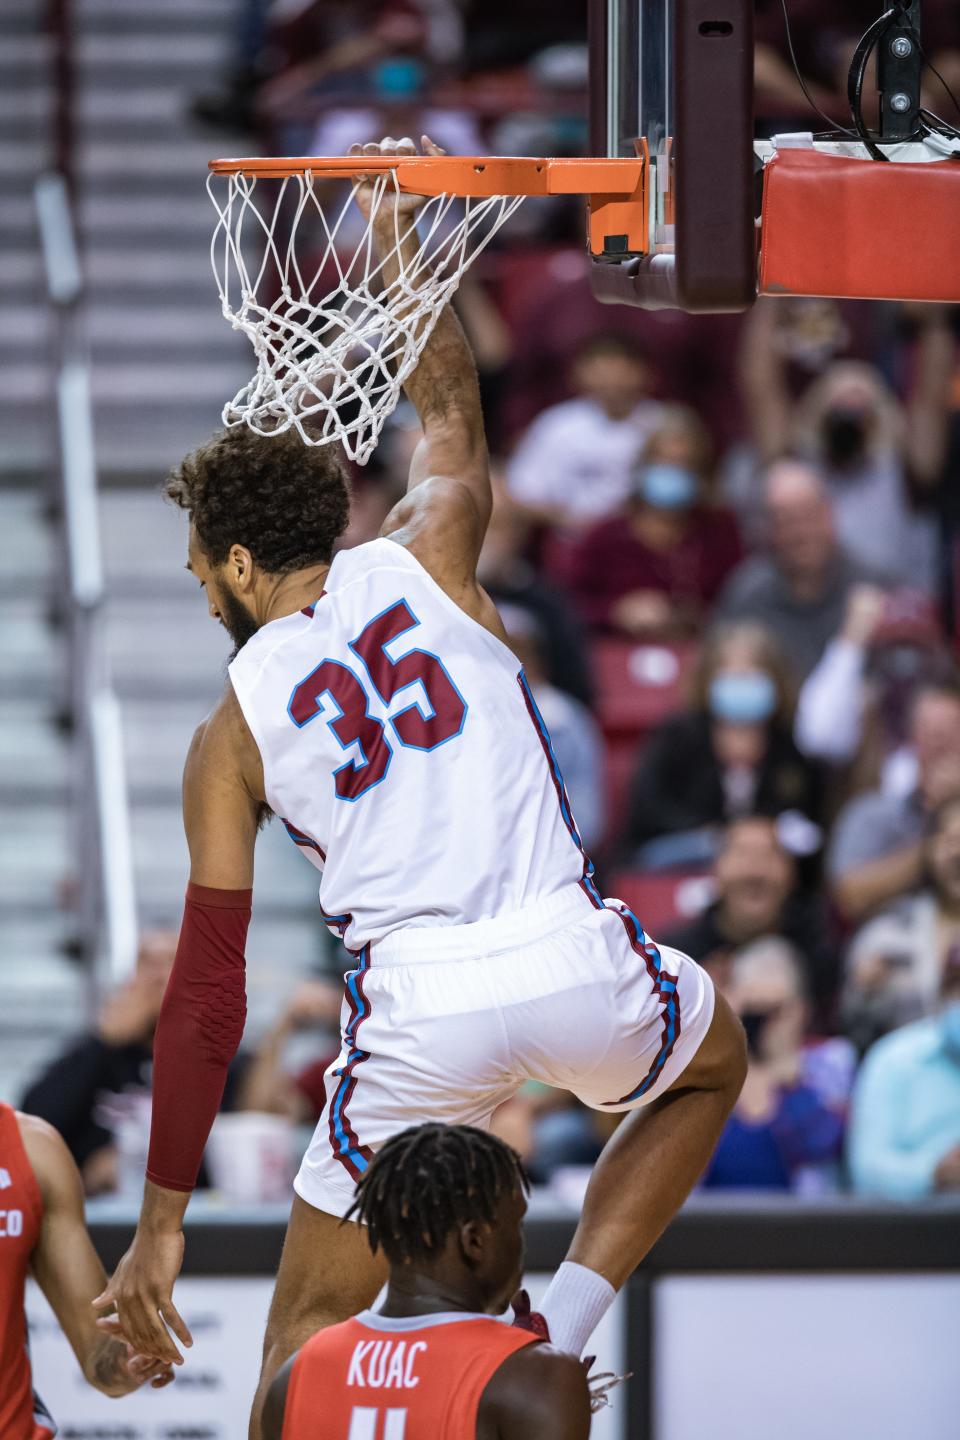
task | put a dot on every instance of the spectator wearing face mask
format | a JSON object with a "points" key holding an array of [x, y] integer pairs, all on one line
{"points": [[876, 854], [905, 1124], [786, 1132], [656, 567], [802, 587], [896, 961], [758, 894], [881, 459], [730, 754]]}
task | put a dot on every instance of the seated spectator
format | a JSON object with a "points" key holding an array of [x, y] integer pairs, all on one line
{"points": [[574, 463], [876, 854], [905, 1123], [268, 1085], [896, 961], [786, 1132], [574, 734], [881, 459], [109, 1070], [802, 588], [510, 579], [655, 567], [855, 703], [757, 894], [730, 754]]}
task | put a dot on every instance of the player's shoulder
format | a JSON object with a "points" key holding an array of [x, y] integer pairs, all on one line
{"points": [[538, 1389], [223, 748], [36, 1133], [428, 507], [441, 524], [46, 1150]]}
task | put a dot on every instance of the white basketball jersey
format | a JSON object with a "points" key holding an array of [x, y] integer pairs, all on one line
{"points": [[405, 754]]}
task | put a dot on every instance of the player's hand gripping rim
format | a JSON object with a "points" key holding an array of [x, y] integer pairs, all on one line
{"points": [[404, 206]]}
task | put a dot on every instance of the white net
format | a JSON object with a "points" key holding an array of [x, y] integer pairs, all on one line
{"points": [[337, 321]]}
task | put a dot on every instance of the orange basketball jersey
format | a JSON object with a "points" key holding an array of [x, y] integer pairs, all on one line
{"points": [[21, 1215], [416, 1378]]}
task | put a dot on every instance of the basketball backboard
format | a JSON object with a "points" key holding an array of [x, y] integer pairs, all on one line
{"points": [[673, 80]]}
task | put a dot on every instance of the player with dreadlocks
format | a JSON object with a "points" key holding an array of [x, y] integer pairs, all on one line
{"points": [[444, 1204]]}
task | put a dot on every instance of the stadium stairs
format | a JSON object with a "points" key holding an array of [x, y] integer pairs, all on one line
{"points": [[164, 361]]}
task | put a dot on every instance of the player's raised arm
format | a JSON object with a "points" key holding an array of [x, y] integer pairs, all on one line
{"points": [[449, 485], [68, 1270], [201, 1022]]}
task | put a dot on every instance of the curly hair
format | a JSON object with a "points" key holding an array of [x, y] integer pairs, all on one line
{"points": [[284, 501], [428, 1180]]}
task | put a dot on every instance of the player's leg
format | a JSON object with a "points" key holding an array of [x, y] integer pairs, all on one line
{"points": [[638, 1029], [326, 1274], [655, 1157]]}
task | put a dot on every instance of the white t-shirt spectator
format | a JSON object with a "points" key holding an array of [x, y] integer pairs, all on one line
{"points": [[575, 459]]}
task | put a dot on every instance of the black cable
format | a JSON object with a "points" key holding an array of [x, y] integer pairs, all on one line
{"points": [[857, 72], [944, 126], [834, 124], [855, 76]]}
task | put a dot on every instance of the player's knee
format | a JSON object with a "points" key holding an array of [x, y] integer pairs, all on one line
{"points": [[721, 1062], [731, 1046], [291, 1326]]}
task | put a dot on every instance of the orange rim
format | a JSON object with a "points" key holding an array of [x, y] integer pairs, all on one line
{"points": [[472, 175]]}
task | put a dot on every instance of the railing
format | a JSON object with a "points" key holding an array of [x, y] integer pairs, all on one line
{"points": [[102, 849]]}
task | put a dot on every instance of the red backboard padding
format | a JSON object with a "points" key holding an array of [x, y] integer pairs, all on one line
{"points": [[860, 228]]}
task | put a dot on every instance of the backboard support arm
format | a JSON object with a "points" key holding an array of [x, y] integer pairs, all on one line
{"points": [[715, 260], [899, 71]]}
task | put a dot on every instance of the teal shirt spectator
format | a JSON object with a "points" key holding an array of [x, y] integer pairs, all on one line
{"points": [[906, 1111]]}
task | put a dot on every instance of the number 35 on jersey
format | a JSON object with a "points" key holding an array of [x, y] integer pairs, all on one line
{"points": [[333, 693]]}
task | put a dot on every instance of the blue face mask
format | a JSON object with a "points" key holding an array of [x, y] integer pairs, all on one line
{"points": [[742, 697], [667, 487], [950, 1028]]}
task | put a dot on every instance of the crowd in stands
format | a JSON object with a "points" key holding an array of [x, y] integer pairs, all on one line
{"points": [[726, 549]]}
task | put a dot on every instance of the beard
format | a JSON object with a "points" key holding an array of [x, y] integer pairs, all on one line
{"points": [[237, 620]]}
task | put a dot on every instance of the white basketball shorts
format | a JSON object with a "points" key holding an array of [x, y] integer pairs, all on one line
{"points": [[444, 1023]]}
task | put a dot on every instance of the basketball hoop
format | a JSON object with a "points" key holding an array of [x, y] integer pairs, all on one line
{"points": [[339, 320]]}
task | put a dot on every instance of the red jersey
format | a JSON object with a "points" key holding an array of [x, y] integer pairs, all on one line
{"points": [[21, 1215], [419, 1377]]}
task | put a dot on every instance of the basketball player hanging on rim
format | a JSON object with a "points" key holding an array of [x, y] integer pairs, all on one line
{"points": [[374, 705]]}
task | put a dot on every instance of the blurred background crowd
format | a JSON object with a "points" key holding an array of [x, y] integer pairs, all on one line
{"points": [[727, 550]]}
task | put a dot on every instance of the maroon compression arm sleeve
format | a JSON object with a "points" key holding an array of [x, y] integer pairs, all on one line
{"points": [[198, 1033]]}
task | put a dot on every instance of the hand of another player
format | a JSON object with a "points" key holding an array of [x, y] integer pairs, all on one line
{"points": [[404, 206], [144, 1371], [119, 1370], [137, 1305]]}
